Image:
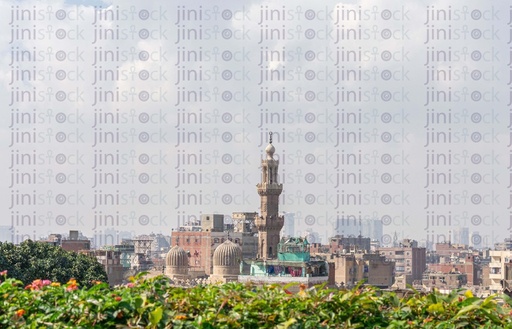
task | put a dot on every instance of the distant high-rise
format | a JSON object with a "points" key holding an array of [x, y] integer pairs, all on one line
{"points": [[289, 224], [370, 228], [476, 240], [460, 235]]}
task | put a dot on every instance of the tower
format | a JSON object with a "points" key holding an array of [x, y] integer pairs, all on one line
{"points": [[269, 223]]}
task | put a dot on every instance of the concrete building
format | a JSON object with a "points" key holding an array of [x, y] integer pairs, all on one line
{"points": [[75, 242], [111, 261], [338, 243], [378, 271], [464, 265], [505, 245], [444, 282], [348, 270], [450, 250], [410, 260], [497, 269], [244, 222], [127, 250], [351, 268]]}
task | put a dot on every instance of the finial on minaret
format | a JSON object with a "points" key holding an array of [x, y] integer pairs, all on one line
{"points": [[270, 148]]}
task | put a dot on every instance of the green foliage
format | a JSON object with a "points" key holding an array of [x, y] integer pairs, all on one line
{"points": [[30, 260], [154, 303]]}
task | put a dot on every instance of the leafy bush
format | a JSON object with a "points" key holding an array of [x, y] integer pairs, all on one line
{"points": [[30, 260], [154, 303]]}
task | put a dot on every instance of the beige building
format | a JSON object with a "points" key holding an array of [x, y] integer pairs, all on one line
{"points": [[410, 260], [497, 270], [378, 270], [348, 270], [351, 268]]}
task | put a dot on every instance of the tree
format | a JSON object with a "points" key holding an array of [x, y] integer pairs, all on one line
{"points": [[30, 260]]}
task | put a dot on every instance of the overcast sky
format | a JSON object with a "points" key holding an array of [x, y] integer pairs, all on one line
{"points": [[211, 70]]}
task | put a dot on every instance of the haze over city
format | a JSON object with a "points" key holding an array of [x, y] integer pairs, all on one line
{"points": [[122, 118]]}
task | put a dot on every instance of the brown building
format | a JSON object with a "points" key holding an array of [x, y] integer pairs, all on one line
{"points": [[75, 245], [410, 260], [378, 270], [445, 282], [461, 265], [351, 268], [111, 261], [342, 244], [447, 249]]}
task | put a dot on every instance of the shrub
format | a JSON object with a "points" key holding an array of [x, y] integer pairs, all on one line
{"points": [[154, 303]]}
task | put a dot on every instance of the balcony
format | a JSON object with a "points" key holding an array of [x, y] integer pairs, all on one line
{"points": [[496, 276]]}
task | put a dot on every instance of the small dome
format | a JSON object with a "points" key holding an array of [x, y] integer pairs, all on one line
{"points": [[270, 149], [176, 257], [227, 254]]}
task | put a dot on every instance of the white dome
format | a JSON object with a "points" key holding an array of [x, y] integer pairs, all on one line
{"points": [[270, 149]]}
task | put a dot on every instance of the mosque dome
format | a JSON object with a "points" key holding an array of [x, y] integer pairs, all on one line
{"points": [[177, 256], [176, 263], [226, 259]]}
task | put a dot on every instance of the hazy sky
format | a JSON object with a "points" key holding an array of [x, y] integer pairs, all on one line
{"points": [[136, 116]]}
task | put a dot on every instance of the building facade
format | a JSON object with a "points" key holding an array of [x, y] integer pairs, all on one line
{"points": [[410, 260], [497, 269]]}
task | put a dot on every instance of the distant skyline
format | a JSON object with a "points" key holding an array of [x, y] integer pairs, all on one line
{"points": [[138, 116]]}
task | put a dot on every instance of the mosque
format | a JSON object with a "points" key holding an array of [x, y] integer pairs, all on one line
{"points": [[270, 259]]}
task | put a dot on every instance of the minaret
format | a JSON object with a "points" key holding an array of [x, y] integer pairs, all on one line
{"points": [[269, 223]]}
